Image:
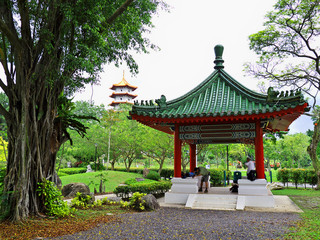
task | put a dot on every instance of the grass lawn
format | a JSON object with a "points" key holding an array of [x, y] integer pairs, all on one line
{"points": [[92, 179], [309, 201]]}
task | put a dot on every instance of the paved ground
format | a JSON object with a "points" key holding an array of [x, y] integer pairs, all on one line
{"points": [[182, 224], [175, 222]]}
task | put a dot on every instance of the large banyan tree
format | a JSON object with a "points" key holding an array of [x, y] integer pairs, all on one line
{"points": [[49, 49]]}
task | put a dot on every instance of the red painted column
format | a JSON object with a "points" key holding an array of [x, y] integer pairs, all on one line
{"points": [[259, 151], [193, 163], [177, 152]]}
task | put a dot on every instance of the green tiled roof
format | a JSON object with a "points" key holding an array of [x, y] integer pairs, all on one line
{"points": [[219, 95]]}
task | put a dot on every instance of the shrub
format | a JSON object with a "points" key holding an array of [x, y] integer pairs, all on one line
{"points": [[153, 176], [132, 181], [81, 201], [217, 176], [136, 201], [71, 171], [283, 175], [296, 176], [97, 166], [167, 173], [155, 188], [311, 177], [52, 200]]}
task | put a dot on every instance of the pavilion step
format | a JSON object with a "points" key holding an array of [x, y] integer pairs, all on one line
{"points": [[209, 201]]}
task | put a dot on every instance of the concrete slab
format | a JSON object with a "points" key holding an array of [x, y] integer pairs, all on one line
{"points": [[281, 203]]}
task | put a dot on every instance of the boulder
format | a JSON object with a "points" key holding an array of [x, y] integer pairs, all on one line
{"points": [[274, 186], [139, 179], [70, 190], [151, 202], [91, 200], [114, 199]]}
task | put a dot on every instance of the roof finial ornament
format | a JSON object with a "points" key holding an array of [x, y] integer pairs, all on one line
{"points": [[123, 74], [218, 50]]}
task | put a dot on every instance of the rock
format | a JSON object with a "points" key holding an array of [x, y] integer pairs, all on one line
{"points": [[145, 172], [114, 199], [93, 198], [70, 190], [139, 179], [151, 202], [274, 186]]}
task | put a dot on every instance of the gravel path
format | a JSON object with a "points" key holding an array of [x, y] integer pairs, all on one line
{"points": [[180, 223]]}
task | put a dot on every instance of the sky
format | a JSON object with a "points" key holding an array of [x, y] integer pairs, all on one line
{"points": [[187, 36]]}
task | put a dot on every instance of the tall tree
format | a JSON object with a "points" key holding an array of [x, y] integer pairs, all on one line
{"points": [[290, 54], [50, 47]]}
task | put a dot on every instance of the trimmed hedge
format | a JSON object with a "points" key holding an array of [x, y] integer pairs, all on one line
{"points": [[217, 176], [297, 176], [156, 188], [71, 171]]}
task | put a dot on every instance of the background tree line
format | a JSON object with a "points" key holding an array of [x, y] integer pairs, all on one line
{"points": [[132, 143]]}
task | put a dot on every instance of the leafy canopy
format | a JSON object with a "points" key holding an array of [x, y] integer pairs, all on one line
{"points": [[289, 47]]}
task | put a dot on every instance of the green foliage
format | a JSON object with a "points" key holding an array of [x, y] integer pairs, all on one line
{"points": [[136, 201], [81, 201], [133, 181], [70, 171], [155, 188], [3, 150], [52, 200], [167, 173], [217, 176], [283, 175], [297, 176], [91, 179], [153, 176], [2, 175], [97, 166]]}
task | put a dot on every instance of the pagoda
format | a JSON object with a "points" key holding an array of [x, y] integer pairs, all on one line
{"points": [[123, 93], [221, 110]]}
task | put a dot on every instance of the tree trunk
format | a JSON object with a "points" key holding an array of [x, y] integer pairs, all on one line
{"points": [[312, 150], [33, 144]]}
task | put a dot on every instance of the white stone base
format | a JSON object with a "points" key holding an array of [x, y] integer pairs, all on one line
{"points": [[260, 201], [187, 185], [180, 190], [254, 194], [251, 194], [257, 187], [176, 198]]}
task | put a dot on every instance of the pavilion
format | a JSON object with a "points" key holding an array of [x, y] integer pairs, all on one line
{"points": [[221, 110]]}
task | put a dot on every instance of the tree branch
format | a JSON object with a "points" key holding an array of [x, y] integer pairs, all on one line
{"points": [[4, 112], [119, 11]]}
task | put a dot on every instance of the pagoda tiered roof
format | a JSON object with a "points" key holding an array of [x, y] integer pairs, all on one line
{"points": [[220, 98], [123, 83]]}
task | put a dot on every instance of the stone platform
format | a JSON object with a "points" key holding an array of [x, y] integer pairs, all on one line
{"points": [[251, 195]]}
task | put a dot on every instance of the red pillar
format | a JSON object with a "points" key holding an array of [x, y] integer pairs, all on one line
{"points": [[177, 152], [259, 151], [193, 163]]}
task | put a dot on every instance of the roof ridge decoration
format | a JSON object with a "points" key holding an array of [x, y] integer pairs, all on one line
{"points": [[276, 95], [218, 50]]}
